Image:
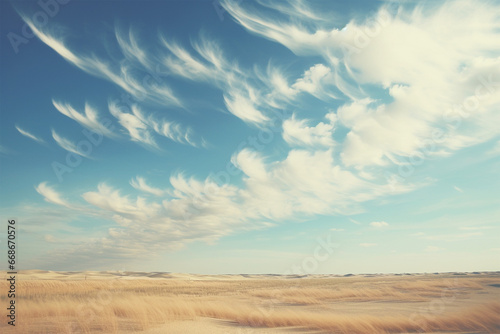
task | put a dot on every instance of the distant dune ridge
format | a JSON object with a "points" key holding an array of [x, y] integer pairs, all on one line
{"points": [[128, 302]]}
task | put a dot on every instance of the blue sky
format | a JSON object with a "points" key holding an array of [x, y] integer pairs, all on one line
{"points": [[252, 136]]}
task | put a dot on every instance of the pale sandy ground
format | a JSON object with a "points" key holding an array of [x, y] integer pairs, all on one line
{"points": [[216, 326], [46, 300]]}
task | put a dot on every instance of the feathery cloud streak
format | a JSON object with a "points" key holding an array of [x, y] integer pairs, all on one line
{"points": [[29, 135]]}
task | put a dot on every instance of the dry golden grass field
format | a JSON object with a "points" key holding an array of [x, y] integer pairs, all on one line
{"points": [[122, 302]]}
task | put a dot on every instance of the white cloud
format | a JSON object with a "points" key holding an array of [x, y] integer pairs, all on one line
{"points": [[337, 229], [295, 37], [50, 195], [134, 124], [250, 163], [296, 132], [317, 81], [141, 127], [170, 130], [210, 66], [458, 189], [305, 182], [29, 135], [278, 82], [88, 119], [313, 81], [297, 8], [243, 107], [68, 145], [139, 183], [129, 45], [111, 200], [182, 63], [379, 224]]}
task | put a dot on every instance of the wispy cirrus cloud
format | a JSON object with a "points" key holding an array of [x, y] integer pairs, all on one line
{"points": [[294, 36], [297, 8], [68, 145], [134, 124], [88, 119], [242, 104], [51, 195], [142, 127], [29, 135], [123, 73], [139, 183], [110, 199], [208, 64], [249, 94]]}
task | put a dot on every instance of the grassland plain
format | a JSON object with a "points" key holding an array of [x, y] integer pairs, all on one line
{"points": [[129, 302]]}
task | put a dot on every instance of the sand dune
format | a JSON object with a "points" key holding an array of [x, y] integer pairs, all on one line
{"points": [[156, 302]]}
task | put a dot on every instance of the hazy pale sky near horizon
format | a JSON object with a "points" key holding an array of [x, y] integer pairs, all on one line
{"points": [[243, 136]]}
